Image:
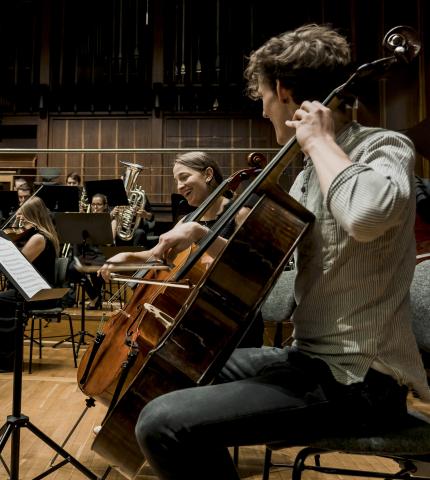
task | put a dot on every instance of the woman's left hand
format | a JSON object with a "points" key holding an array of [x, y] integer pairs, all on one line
{"points": [[178, 239]]}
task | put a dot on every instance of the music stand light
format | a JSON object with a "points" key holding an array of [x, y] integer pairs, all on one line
{"points": [[30, 287], [83, 229], [60, 198]]}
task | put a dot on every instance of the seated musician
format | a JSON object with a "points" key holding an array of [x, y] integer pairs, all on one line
{"points": [[73, 179], [41, 248], [196, 176], [92, 282], [18, 181], [354, 355], [24, 193]]}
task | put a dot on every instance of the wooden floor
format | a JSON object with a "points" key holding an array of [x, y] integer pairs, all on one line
{"points": [[53, 402]]}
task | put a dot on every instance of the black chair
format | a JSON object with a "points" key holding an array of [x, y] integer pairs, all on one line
{"points": [[278, 307], [49, 315], [408, 445]]}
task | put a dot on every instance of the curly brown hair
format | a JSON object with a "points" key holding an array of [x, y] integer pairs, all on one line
{"points": [[311, 61]]}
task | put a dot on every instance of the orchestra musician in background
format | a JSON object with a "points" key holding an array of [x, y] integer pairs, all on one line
{"points": [[354, 355], [93, 283], [18, 182], [41, 248], [196, 176], [24, 193], [73, 179]]}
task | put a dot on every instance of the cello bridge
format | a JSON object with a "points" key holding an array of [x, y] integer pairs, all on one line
{"points": [[165, 319]]}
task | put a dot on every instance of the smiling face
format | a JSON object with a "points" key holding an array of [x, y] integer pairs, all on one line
{"points": [[192, 184], [278, 106]]}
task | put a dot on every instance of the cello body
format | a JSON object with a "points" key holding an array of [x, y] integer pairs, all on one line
{"points": [[130, 334], [211, 322], [115, 357]]}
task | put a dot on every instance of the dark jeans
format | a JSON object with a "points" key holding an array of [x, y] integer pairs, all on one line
{"points": [[266, 395]]}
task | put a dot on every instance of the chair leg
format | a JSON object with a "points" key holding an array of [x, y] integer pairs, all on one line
{"points": [[72, 339], [30, 360], [267, 463], [40, 337], [299, 463], [236, 455]]}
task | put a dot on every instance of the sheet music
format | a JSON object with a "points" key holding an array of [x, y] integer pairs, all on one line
{"points": [[20, 269]]}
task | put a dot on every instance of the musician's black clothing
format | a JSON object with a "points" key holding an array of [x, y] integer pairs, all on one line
{"points": [[44, 263]]}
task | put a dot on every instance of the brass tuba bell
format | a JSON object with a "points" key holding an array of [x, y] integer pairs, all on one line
{"points": [[128, 220]]}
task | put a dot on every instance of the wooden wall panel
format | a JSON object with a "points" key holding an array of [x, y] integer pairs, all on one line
{"points": [[203, 133], [87, 132], [399, 102]]}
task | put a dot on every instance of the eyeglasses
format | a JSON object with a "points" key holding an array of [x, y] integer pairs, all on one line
{"points": [[97, 204]]}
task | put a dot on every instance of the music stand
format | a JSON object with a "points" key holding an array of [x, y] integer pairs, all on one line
{"points": [[113, 189], [83, 229], [8, 203], [60, 198], [30, 287]]}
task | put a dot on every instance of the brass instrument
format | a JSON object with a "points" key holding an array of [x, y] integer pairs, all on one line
{"points": [[128, 220], [84, 203]]}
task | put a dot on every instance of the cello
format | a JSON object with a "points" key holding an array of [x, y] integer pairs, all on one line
{"points": [[222, 305], [124, 341]]}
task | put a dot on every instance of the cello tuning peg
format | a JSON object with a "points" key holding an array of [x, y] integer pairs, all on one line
{"points": [[403, 41]]}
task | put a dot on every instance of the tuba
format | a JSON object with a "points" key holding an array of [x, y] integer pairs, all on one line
{"points": [[128, 220]]}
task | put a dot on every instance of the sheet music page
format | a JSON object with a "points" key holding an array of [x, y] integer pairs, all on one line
{"points": [[20, 269]]}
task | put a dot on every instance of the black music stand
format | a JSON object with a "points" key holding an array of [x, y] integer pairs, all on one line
{"points": [[60, 198], [30, 287], [113, 189], [83, 229], [8, 204]]}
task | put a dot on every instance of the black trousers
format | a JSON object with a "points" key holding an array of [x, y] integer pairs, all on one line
{"points": [[264, 395]]}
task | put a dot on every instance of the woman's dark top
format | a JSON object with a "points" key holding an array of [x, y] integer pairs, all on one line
{"points": [[227, 230], [45, 262]]}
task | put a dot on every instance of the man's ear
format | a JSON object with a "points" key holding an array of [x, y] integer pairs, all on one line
{"points": [[284, 94]]}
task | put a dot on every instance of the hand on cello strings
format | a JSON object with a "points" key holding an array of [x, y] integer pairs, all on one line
{"points": [[181, 237], [176, 240]]}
